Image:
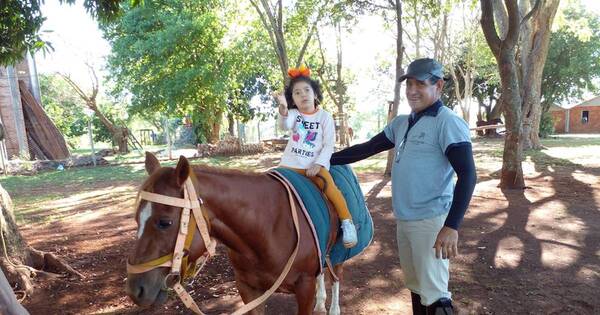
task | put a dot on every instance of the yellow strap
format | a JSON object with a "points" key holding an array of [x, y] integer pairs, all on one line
{"points": [[164, 261]]}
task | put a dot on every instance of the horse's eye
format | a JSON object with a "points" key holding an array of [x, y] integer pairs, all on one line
{"points": [[164, 223]]}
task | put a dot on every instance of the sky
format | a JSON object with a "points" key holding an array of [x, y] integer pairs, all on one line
{"points": [[76, 40]]}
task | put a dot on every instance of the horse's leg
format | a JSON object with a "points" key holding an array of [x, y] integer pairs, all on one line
{"points": [[305, 294], [248, 294], [334, 308], [321, 294]]}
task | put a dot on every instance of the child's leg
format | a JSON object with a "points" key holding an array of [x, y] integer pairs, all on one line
{"points": [[333, 194]]}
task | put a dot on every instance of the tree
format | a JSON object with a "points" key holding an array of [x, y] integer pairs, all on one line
{"points": [[504, 50], [334, 78], [573, 64], [293, 29], [533, 49], [120, 134], [169, 56], [520, 86], [63, 106], [20, 23], [19, 261], [460, 55]]}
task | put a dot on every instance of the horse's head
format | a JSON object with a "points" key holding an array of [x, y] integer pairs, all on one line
{"points": [[165, 197]]}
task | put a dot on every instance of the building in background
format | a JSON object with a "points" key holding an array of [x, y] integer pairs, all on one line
{"points": [[578, 118]]}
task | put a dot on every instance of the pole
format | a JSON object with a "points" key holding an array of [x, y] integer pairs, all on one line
{"points": [[91, 140], [2, 154], [168, 135]]}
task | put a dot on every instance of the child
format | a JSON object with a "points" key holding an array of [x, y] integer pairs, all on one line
{"points": [[311, 144]]}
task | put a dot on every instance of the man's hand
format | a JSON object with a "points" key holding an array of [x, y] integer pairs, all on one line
{"points": [[313, 170], [280, 99], [446, 243]]}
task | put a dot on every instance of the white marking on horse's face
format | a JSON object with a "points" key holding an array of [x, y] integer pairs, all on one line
{"points": [[145, 214]]}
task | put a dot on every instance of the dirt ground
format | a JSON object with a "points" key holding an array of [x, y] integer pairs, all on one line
{"points": [[533, 251]]}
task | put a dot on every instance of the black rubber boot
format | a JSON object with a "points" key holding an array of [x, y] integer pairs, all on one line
{"points": [[442, 306], [417, 307]]}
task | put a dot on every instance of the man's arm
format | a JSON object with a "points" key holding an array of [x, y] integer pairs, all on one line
{"points": [[460, 156], [358, 152], [461, 159]]}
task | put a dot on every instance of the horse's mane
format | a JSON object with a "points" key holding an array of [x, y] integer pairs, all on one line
{"points": [[148, 184], [203, 168]]}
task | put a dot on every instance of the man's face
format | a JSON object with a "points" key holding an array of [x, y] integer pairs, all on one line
{"points": [[421, 94]]}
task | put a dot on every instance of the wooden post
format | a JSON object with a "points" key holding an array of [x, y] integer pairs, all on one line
{"points": [[91, 139], [168, 135]]}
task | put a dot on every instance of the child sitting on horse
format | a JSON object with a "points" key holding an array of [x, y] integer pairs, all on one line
{"points": [[312, 141]]}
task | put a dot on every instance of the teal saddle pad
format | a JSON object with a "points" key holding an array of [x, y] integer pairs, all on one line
{"points": [[311, 197]]}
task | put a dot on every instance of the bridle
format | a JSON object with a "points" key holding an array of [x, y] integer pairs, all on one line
{"points": [[191, 205], [181, 267]]}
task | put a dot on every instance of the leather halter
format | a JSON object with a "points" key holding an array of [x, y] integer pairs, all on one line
{"points": [[192, 206]]}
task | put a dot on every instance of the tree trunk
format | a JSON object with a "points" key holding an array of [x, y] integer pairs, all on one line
{"points": [[512, 170], [231, 125], [393, 112], [504, 51], [20, 261], [340, 90], [534, 50]]}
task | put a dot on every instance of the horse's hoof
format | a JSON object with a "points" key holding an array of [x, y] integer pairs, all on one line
{"points": [[320, 308], [334, 310]]}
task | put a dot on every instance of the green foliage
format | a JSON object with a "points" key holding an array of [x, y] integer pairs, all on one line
{"points": [[573, 64], [546, 125], [176, 57], [63, 106], [20, 23]]}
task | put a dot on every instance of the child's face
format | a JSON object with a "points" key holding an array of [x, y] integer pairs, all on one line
{"points": [[304, 96]]}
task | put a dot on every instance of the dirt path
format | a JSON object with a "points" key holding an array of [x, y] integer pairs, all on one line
{"points": [[535, 251]]}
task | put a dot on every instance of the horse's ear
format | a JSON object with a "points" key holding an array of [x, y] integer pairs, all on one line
{"points": [[152, 163], [182, 171]]}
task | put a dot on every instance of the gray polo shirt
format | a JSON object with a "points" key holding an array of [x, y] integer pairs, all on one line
{"points": [[422, 177]]}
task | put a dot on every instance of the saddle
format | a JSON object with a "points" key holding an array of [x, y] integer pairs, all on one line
{"points": [[320, 217]]}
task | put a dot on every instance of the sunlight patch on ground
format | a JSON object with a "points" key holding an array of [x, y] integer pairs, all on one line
{"points": [[509, 253], [586, 178], [393, 305], [557, 256], [589, 275], [581, 155], [529, 167], [89, 197]]}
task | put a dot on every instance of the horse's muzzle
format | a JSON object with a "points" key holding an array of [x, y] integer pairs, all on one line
{"points": [[146, 289]]}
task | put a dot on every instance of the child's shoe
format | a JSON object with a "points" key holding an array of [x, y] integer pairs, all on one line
{"points": [[348, 233]]}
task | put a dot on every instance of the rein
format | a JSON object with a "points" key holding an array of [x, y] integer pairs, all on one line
{"points": [[192, 206]]}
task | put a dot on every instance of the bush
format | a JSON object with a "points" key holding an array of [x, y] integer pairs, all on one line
{"points": [[546, 125]]}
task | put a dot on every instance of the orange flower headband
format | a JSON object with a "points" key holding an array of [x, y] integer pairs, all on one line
{"points": [[302, 71]]}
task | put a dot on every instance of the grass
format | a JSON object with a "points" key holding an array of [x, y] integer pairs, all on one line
{"points": [[20, 185]]}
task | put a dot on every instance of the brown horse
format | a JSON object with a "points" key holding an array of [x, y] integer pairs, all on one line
{"points": [[247, 212]]}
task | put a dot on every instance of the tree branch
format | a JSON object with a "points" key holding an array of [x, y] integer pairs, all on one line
{"points": [[488, 27], [533, 11]]}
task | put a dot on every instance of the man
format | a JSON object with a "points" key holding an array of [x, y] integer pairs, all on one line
{"points": [[431, 144]]}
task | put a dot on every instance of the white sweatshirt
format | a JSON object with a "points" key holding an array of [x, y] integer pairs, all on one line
{"points": [[311, 140]]}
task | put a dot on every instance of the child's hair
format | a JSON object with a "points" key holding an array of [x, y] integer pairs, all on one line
{"points": [[289, 89]]}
